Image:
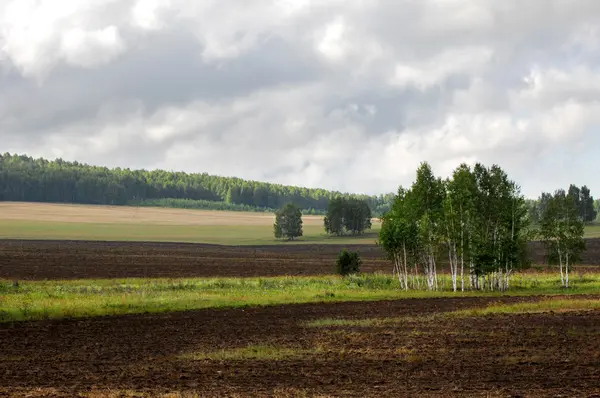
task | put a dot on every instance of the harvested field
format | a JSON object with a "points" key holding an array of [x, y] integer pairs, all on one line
{"points": [[543, 354], [50, 212], [141, 224], [36, 260]]}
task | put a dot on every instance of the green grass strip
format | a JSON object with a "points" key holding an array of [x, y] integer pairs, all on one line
{"points": [[38, 300]]}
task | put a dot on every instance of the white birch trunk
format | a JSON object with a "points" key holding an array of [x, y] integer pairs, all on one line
{"points": [[560, 263], [567, 270], [405, 266]]}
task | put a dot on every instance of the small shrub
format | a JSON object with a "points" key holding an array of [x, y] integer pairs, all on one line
{"points": [[348, 263]]}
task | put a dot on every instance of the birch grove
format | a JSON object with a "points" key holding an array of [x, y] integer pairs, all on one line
{"points": [[475, 223]]}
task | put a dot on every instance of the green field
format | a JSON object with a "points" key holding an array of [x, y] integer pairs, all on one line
{"points": [[110, 223], [82, 298], [107, 223], [592, 231], [214, 234]]}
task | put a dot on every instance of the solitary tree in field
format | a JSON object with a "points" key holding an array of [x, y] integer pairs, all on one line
{"points": [[334, 220], [288, 222], [561, 229]]}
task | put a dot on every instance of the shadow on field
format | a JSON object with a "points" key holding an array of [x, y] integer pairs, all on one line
{"points": [[142, 352]]}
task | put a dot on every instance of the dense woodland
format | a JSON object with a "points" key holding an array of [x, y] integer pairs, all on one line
{"points": [[24, 178]]}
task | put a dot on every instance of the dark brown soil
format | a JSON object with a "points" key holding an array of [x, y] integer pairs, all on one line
{"points": [[542, 355], [31, 260]]}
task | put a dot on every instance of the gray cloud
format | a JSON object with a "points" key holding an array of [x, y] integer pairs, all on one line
{"points": [[346, 95]]}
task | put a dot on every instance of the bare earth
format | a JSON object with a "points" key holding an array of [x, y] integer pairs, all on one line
{"points": [[36, 260], [535, 355], [529, 355]]}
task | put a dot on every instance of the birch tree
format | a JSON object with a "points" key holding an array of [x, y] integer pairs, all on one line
{"points": [[500, 232], [461, 193], [398, 239], [478, 217], [427, 207], [562, 230]]}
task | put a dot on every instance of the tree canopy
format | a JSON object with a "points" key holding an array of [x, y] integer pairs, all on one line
{"points": [[478, 217], [561, 229], [585, 206], [24, 178], [288, 222], [347, 215]]}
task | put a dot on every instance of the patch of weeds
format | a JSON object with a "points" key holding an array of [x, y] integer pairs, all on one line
{"points": [[330, 322], [369, 322], [529, 308], [325, 295], [373, 281], [251, 352]]}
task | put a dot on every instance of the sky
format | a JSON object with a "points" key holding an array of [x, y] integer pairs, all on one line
{"points": [[347, 95]]}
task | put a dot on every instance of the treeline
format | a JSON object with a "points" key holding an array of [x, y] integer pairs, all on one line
{"points": [[209, 205], [24, 178]]}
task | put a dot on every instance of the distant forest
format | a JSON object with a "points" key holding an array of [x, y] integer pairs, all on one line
{"points": [[23, 178]]}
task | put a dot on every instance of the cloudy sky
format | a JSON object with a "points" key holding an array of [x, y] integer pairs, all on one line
{"points": [[339, 94]]}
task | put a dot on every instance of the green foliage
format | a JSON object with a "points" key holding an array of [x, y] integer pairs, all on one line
{"points": [[348, 263], [587, 208], [198, 205], [478, 217], [288, 222], [23, 178], [344, 215], [562, 229]]}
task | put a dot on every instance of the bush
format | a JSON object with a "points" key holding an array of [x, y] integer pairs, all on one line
{"points": [[348, 263]]}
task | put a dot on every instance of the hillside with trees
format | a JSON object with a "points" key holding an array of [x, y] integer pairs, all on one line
{"points": [[24, 178]]}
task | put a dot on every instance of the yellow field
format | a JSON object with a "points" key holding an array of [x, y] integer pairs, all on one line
{"points": [[20, 220], [136, 215]]}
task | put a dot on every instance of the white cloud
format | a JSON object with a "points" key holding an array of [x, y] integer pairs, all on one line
{"points": [[425, 74], [332, 44], [342, 94], [35, 35], [91, 48], [146, 13]]}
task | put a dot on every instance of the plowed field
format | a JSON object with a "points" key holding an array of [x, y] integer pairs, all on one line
{"points": [[542, 355], [35, 260]]}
